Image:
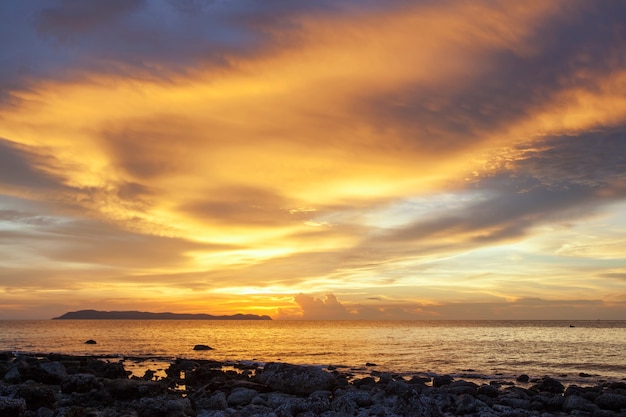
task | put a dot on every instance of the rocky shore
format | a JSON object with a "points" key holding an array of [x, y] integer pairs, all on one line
{"points": [[54, 385]]}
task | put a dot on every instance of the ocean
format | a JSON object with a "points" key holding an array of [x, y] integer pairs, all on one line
{"points": [[580, 352]]}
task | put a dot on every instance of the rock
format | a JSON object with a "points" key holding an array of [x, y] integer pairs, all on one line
{"points": [[488, 390], [548, 384], [462, 387], [13, 375], [513, 402], [370, 364], [294, 379], [441, 380], [79, 383], [523, 378], [611, 401], [130, 389], [12, 407], [55, 372], [90, 342], [241, 396], [36, 395], [213, 413], [202, 347], [213, 401], [45, 412], [466, 404], [574, 402], [165, 407]]}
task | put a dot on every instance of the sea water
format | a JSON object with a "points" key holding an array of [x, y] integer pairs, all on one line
{"points": [[471, 349]]}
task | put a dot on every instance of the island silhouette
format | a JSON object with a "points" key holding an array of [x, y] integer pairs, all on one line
{"points": [[143, 315]]}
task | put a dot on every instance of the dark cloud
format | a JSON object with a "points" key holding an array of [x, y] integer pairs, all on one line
{"points": [[103, 244], [595, 161], [19, 167], [75, 17], [510, 83], [550, 181], [244, 206]]}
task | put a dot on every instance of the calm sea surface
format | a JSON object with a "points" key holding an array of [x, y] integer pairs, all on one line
{"points": [[498, 349]]}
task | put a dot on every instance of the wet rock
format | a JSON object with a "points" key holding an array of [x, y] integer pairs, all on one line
{"points": [[202, 347], [441, 380], [302, 380], [523, 378], [462, 387], [589, 393], [363, 383], [549, 384], [90, 342], [202, 375], [488, 391]]}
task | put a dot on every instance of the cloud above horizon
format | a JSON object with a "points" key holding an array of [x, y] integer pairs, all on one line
{"points": [[317, 160]]}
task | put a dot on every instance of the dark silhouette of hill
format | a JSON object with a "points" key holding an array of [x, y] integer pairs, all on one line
{"points": [[142, 315]]}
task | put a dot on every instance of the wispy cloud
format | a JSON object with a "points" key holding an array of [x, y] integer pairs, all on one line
{"points": [[431, 157]]}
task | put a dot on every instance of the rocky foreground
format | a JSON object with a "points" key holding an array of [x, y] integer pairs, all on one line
{"points": [[56, 385]]}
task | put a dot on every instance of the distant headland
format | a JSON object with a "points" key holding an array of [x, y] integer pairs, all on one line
{"points": [[143, 315]]}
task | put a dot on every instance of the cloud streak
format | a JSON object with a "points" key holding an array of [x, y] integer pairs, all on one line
{"points": [[396, 160]]}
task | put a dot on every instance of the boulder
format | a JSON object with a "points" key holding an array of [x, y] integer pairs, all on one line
{"points": [[165, 407], [202, 347], [574, 402], [523, 378], [462, 387], [488, 391], [441, 380], [13, 375], [36, 395], [79, 383], [548, 384], [214, 401], [466, 404], [241, 396], [54, 372], [611, 401], [90, 342], [295, 379], [12, 407], [131, 389]]}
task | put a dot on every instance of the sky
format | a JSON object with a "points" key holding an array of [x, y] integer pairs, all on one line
{"points": [[314, 160]]}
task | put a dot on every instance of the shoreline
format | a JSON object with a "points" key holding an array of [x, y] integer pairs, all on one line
{"points": [[138, 364], [54, 384]]}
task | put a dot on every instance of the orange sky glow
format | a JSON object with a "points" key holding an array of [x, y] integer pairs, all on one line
{"points": [[335, 160]]}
